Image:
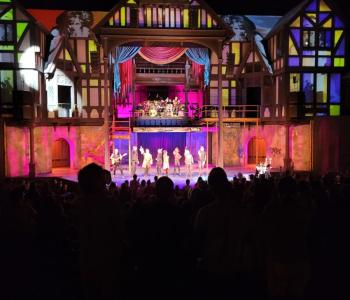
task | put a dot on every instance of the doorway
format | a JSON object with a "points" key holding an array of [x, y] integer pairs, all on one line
{"points": [[60, 154], [256, 151]]}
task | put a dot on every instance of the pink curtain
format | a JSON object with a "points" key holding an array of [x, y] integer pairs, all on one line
{"points": [[161, 55]]}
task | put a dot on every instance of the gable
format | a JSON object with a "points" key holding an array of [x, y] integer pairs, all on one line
{"points": [[157, 14], [316, 37]]}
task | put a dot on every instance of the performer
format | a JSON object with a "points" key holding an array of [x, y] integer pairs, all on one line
{"points": [[177, 157], [159, 162], [166, 162], [134, 160], [147, 160], [202, 158], [188, 163], [116, 159]]}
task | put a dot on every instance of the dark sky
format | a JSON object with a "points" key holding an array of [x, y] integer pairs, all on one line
{"points": [[262, 7]]}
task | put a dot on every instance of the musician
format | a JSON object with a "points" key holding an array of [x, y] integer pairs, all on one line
{"points": [[177, 158], [176, 106], [147, 160], [116, 159], [188, 163], [134, 160], [159, 162], [202, 158], [166, 162]]}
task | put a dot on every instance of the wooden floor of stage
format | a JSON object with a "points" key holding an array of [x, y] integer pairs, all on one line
{"points": [[71, 174]]}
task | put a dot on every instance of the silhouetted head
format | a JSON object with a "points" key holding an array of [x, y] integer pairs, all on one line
{"points": [[108, 176], [164, 188], [155, 178], [218, 181], [188, 182], [134, 176], [92, 179], [287, 186]]}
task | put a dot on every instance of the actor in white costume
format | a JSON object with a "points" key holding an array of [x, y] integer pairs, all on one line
{"points": [[159, 162], [188, 163], [166, 162], [177, 157], [147, 160], [202, 158], [134, 160]]}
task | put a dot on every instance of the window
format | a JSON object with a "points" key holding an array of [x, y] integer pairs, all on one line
{"points": [[324, 40], [64, 95], [309, 38], [6, 33]]}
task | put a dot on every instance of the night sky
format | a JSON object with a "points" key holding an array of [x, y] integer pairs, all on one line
{"points": [[260, 7]]}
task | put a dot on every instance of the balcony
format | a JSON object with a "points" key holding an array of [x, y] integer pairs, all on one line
{"points": [[231, 114], [60, 110]]}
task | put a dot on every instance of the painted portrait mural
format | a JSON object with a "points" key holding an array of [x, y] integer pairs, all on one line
{"points": [[76, 24]]}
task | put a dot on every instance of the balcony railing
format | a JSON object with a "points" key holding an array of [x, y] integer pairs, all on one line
{"points": [[229, 112], [60, 110]]}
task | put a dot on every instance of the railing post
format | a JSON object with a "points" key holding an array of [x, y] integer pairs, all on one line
{"points": [[106, 109], [220, 127]]}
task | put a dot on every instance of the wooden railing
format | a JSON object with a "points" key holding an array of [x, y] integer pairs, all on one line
{"points": [[229, 112]]}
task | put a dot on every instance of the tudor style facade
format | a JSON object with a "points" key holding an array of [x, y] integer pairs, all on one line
{"points": [[263, 95]]}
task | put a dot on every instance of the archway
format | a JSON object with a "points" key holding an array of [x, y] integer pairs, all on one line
{"points": [[256, 150], [60, 154]]}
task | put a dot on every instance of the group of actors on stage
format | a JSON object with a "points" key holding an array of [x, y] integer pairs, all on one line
{"points": [[162, 161]]}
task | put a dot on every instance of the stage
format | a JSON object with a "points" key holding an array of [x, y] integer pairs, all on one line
{"points": [[71, 174]]}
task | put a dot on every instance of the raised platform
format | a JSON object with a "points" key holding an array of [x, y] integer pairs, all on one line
{"points": [[161, 121], [70, 174]]}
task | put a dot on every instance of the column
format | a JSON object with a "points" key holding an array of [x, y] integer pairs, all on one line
{"points": [[187, 85], [106, 109], [287, 160], [2, 149], [221, 124], [32, 151]]}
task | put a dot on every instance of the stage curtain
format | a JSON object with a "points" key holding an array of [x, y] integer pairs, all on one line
{"points": [[122, 54], [201, 57], [197, 71], [126, 75], [164, 140], [161, 55]]}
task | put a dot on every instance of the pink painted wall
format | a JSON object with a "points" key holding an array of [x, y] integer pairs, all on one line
{"points": [[300, 152], [91, 145], [43, 149], [72, 136], [17, 151]]}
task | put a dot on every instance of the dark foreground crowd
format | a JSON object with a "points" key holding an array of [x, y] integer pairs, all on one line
{"points": [[285, 237]]}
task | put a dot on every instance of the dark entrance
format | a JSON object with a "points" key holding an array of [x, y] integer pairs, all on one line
{"points": [[60, 154]]}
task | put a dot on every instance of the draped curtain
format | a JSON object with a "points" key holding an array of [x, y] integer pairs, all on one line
{"points": [[122, 54], [156, 55], [197, 71], [126, 75], [161, 55], [201, 57]]}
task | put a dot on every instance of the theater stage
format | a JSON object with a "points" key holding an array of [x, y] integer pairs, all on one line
{"points": [[70, 174]]}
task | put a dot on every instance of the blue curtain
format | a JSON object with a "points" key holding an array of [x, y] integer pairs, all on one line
{"points": [[165, 140], [122, 54], [201, 57]]}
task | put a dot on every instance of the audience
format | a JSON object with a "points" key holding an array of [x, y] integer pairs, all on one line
{"points": [[282, 237]]}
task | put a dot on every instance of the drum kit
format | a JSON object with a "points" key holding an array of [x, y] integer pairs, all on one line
{"points": [[161, 108]]}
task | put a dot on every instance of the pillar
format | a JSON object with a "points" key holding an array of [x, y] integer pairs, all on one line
{"points": [[2, 150], [106, 108], [220, 162], [32, 152], [287, 159]]}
